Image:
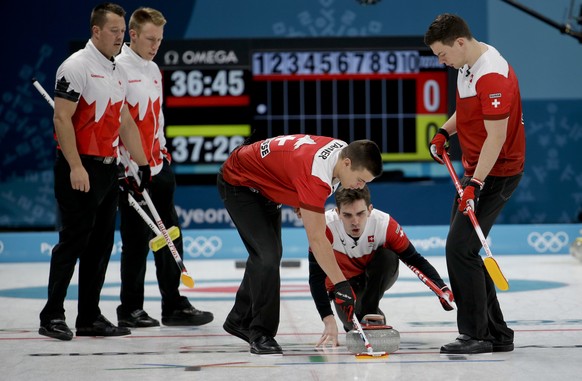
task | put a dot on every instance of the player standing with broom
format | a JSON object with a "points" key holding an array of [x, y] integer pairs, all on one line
{"points": [[488, 122], [90, 116], [144, 98]]}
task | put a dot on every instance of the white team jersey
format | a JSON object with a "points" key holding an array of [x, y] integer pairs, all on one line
{"points": [[144, 99], [91, 80], [373, 236]]}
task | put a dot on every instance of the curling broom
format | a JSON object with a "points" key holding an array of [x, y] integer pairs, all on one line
{"points": [[490, 263]]}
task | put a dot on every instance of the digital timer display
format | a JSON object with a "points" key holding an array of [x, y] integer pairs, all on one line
{"points": [[196, 83], [217, 93]]}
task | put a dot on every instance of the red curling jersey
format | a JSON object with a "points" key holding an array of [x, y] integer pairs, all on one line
{"points": [[354, 255], [295, 170], [489, 90], [144, 99], [94, 82]]}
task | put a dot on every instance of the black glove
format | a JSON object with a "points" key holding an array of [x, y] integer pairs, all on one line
{"points": [[345, 298], [439, 144], [446, 302], [145, 176], [129, 185]]}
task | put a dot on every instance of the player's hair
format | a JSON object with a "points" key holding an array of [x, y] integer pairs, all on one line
{"points": [[446, 28], [144, 15], [345, 196], [99, 13], [364, 154]]}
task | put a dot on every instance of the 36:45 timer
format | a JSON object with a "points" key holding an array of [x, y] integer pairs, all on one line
{"points": [[196, 83]]}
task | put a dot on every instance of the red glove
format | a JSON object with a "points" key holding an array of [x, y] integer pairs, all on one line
{"points": [[438, 145], [345, 298], [447, 301], [470, 195]]}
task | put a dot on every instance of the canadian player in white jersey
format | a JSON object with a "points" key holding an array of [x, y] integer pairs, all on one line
{"points": [[301, 171], [90, 117], [144, 98], [367, 244], [488, 122]]}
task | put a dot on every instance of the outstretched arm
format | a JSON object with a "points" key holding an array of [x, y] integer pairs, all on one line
{"points": [[317, 287], [412, 257], [397, 240], [433, 281]]}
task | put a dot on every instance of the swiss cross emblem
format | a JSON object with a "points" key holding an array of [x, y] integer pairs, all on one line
{"points": [[495, 102], [370, 239]]}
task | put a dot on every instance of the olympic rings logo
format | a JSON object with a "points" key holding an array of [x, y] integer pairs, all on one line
{"points": [[202, 246], [547, 241]]}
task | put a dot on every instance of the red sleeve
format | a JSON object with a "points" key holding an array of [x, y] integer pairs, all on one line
{"points": [[396, 239], [312, 194], [496, 94]]}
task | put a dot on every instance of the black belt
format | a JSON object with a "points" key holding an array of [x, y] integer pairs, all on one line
{"points": [[101, 159]]}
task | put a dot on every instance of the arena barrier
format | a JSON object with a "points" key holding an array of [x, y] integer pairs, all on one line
{"points": [[226, 244]]}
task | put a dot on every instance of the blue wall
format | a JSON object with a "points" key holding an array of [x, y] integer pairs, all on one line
{"points": [[548, 65], [200, 244]]}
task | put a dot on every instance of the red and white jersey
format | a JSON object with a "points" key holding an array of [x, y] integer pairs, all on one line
{"points": [[354, 255], [489, 90], [93, 81], [295, 170], [144, 99]]}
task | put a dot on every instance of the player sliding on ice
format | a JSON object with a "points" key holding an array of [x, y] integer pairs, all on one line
{"points": [[367, 244]]}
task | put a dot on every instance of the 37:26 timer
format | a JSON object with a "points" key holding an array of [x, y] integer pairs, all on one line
{"points": [[198, 149]]}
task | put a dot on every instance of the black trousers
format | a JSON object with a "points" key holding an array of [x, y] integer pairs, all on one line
{"points": [[258, 221], [479, 314], [380, 274], [135, 235], [86, 229]]}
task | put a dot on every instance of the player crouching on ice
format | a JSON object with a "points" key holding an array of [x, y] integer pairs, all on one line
{"points": [[367, 244]]}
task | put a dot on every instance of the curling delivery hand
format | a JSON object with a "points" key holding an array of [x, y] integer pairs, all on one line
{"points": [[330, 333], [345, 298]]}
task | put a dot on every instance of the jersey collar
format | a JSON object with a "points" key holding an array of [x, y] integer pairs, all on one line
{"points": [[106, 63]]}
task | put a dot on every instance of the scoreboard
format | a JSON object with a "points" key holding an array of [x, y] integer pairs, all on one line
{"points": [[217, 93]]}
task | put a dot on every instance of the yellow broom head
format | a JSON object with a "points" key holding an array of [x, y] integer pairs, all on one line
{"points": [[187, 280], [496, 274], [371, 355]]}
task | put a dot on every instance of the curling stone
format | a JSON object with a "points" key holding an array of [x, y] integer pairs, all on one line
{"points": [[382, 337]]}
